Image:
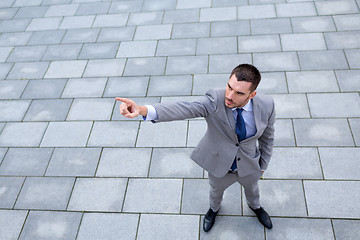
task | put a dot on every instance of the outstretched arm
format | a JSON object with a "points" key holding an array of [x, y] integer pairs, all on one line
{"points": [[129, 109]]}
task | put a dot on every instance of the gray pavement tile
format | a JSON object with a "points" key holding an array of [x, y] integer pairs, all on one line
{"points": [[153, 32], [141, 101], [187, 65], [28, 70], [2, 125], [46, 37], [347, 22], [342, 40], [84, 87], [355, 128], [10, 188], [196, 131], [220, 45], [124, 162], [291, 106], [229, 28], [297, 9], [164, 136], [14, 221], [347, 80], [52, 2], [13, 110], [22, 134], [181, 15], [14, 39], [4, 69], [284, 133], [62, 10], [108, 226], [81, 35], [322, 132], [334, 105], [312, 81], [338, 163], [145, 66], [125, 6], [98, 194], [353, 57], [49, 224], [267, 1], [24, 3], [25, 161], [103, 134], [153, 190], [266, 43], [300, 228], [174, 162], [145, 18], [283, 164], [41, 24], [37, 89], [346, 229], [273, 82], [111, 20], [7, 13], [116, 34], [26, 54], [231, 227], [218, 14], [156, 226], [252, 11], [277, 61], [66, 69], [196, 198], [93, 8], [38, 193], [30, 12], [151, 5], [104, 68], [225, 3], [66, 134], [170, 85], [182, 4], [91, 109], [137, 49], [6, 3], [281, 198], [4, 53], [73, 162], [270, 26], [322, 60], [126, 87], [12, 89], [2, 150], [303, 42], [340, 205], [336, 7], [98, 50], [17, 25], [191, 30], [75, 22], [203, 82], [179, 47], [48, 110], [62, 52], [313, 24]]}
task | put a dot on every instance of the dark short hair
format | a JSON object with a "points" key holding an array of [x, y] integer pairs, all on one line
{"points": [[247, 73]]}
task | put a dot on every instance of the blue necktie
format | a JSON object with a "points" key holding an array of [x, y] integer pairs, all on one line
{"points": [[240, 131]]}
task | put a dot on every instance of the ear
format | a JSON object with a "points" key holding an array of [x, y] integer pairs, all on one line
{"points": [[252, 94]]}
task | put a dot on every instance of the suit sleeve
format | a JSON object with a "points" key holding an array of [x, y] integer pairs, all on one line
{"points": [[185, 110], [266, 141]]}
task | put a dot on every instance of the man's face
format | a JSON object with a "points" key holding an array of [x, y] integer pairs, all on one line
{"points": [[238, 93]]}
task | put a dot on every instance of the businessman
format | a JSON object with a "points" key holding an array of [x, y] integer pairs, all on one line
{"points": [[238, 143]]}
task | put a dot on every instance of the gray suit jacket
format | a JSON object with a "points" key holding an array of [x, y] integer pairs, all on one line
{"points": [[219, 146]]}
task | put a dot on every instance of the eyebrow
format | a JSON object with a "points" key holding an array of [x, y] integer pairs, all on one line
{"points": [[241, 93]]}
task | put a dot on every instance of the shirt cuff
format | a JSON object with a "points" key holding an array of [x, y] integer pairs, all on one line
{"points": [[151, 114]]}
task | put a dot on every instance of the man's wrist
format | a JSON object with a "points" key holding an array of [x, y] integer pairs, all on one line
{"points": [[143, 111]]}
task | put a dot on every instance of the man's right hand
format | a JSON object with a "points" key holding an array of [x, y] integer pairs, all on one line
{"points": [[129, 109]]}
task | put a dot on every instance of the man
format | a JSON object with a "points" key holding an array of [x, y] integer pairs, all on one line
{"points": [[238, 143]]}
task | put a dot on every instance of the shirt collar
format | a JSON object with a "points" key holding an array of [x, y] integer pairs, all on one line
{"points": [[248, 107]]}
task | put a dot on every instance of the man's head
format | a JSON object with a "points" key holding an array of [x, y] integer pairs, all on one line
{"points": [[242, 84]]}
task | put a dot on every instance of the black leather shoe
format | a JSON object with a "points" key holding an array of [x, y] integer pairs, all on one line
{"points": [[209, 220], [263, 217]]}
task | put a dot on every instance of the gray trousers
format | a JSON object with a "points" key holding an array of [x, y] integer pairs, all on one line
{"points": [[250, 184]]}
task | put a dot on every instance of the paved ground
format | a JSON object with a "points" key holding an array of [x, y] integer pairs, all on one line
{"points": [[72, 168]]}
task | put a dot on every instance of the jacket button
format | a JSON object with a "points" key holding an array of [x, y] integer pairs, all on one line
{"points": [[237, 144], [238, 159]]}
